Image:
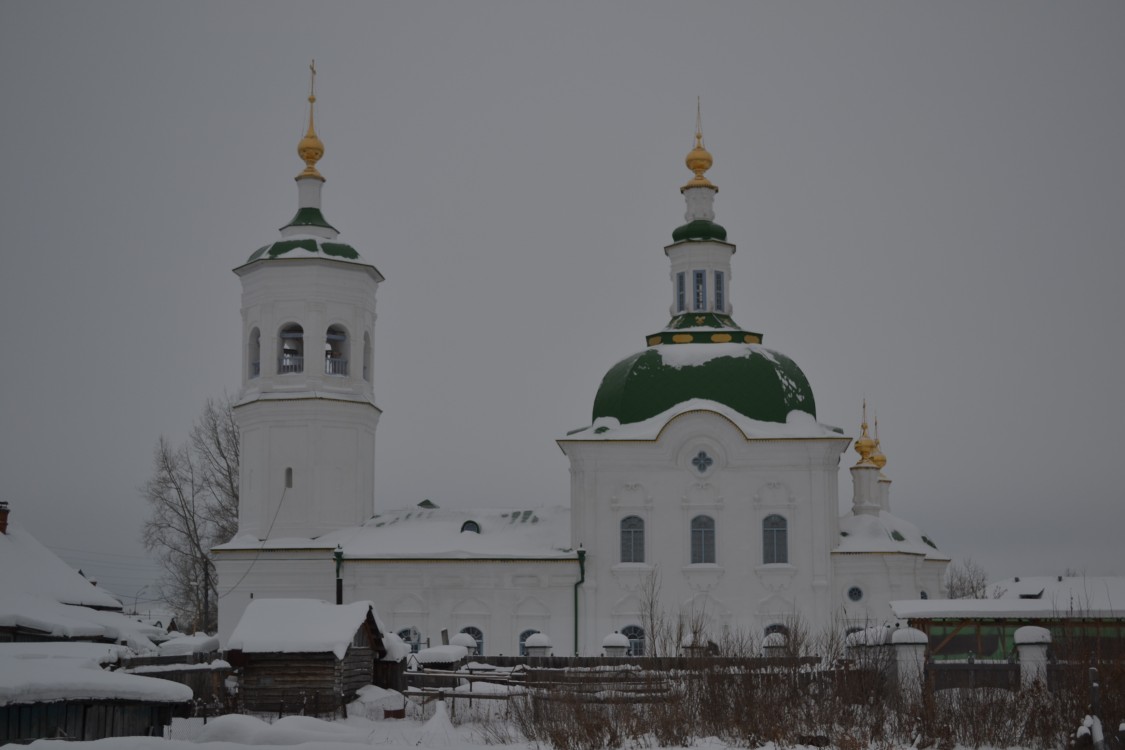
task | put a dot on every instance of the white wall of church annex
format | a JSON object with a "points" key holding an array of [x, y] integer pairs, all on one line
{"points": [[745, 482]]}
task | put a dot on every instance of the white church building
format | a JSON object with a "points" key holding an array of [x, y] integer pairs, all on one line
{"points": [[704, 486]]}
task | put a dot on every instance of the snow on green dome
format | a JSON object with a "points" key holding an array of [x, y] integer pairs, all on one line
{"points": [[754, 381]]}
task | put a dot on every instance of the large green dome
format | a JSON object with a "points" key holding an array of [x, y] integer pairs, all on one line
{"points": [[754, 381]]}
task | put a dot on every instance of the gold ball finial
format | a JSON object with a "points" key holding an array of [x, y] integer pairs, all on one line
{"points": [[699, 158], [311, 148], [864, 445]]}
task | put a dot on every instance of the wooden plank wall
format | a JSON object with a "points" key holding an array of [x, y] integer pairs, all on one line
{"points": [[86, 720], [290, 683]]}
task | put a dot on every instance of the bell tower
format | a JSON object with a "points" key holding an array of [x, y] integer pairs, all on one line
{"points": [[306, 412]]}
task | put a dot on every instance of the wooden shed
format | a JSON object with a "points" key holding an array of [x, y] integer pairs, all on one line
{"points": [[303, 656]]}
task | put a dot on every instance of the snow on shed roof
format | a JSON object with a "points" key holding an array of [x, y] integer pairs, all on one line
{"points": [[22, 610], [291, 626], [425, 533], [28, 676], [26, 565], [1043, 597]]}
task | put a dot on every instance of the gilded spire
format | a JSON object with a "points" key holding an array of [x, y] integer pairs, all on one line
{"points": [[698, 159], [864, 445], [311, 148]]}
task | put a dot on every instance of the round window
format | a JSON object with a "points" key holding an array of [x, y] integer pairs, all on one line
{"points": [[855, 593]]}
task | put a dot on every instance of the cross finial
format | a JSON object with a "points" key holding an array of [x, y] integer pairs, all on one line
{"points": [[312, 81], [699, 121]]}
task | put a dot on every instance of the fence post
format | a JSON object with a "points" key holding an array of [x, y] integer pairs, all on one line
{"points": [[910, 658], [1031, 646]]}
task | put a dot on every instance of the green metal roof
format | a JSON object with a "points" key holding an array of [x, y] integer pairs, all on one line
{"points": [[700, 229], [308, 244], [309, 217], [756, 382]]}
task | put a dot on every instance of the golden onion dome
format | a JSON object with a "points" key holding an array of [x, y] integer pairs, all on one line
{"points": [[699, 158], [865, 446], [311, 148], [878, 458], [699, 161]]}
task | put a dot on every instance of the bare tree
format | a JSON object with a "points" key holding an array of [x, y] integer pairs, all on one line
{"points": [[193, 500], [214, 440], [966, 580], [652, 613]]}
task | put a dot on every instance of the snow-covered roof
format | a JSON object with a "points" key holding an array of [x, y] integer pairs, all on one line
{"points": [[885, 532], [22, 610], [799, 424], [426, 533], [51, 673], [181, 645], [26, 565], [1040, 597], [291, 626], [441, 654]]}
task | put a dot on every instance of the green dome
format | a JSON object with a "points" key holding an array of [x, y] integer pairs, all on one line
{"points": [[754, 381], [308, 245], [700, 229]]}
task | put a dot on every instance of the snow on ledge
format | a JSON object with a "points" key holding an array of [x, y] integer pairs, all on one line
{"points": [[798, 424]]}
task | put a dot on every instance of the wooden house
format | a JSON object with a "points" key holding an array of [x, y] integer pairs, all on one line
{"points": [[303, 656]]}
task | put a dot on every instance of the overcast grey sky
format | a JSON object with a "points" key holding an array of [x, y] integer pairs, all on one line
{"points": [[928, 202]]}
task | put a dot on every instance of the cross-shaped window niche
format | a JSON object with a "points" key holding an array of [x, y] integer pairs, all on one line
{"points": [[702, 462]]}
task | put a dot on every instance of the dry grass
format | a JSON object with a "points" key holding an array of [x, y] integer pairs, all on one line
{"points": [[798, 705]]}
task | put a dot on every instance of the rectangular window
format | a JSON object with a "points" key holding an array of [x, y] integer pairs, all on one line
{"points": [[720, 293], [632, 540], [775, 540], [699, 289], [681, 291], [702, 540]]}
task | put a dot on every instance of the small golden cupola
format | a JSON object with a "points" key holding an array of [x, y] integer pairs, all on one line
{"points": [[311, 148], [865, 446], [699, 158]]}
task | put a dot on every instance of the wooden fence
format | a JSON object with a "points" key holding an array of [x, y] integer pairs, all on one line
{"points": [[84, 719]]}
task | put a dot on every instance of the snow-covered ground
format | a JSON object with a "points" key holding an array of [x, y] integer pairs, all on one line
{"points": [[236, 732]]}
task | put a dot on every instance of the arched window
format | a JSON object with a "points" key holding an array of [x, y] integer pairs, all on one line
{"points": [[777, 628], [636, 636], [702, 540], [367, 356], [255, 352], [288, 477], [472, 526], [292, 350], [775, 540], [336, 351], [478, 636], [523, 638], [412, 637], [632, 539], [699, 290]]}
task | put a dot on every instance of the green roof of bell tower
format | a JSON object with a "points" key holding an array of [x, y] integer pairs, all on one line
{"points": [[700, 229], [309, 216]]}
